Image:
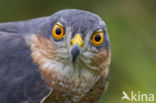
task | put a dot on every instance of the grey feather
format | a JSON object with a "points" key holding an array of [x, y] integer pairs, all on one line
{"points": [[20, 80]]}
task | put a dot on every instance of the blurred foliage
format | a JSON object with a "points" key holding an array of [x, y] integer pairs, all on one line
{"points": [[132, 29]]}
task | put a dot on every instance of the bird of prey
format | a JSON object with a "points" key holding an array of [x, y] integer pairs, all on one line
{"points": [[63, 58]]}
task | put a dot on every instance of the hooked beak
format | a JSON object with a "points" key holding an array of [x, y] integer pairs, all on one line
{"points": [[76, 43]]}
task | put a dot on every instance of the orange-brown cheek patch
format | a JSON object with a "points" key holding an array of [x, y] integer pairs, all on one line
{"points": [[103, 58], [42, 52], [42, 48]]}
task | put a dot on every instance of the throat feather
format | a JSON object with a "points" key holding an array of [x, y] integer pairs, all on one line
{"points": [[70, 79]]}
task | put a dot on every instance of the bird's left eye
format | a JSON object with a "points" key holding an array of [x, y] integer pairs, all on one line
{"points": [[97, 38], [58, 32]]}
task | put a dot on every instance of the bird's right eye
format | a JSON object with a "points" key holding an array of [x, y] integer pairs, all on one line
{"points": [[58, 32]]}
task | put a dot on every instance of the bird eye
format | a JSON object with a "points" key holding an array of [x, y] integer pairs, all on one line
{"points": [[58, 32], [97, 38]]}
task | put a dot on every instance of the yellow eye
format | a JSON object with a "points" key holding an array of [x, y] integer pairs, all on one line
{"points": [[97, 38], [58, 32]]}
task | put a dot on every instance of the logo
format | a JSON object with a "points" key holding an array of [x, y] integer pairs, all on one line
{"points": [[137, 96]]}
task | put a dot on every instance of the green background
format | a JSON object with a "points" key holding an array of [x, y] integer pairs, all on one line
{"points": [[132, 29]]}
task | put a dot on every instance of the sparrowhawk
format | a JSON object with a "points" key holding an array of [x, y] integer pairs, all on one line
{"points": [[63, 58]]}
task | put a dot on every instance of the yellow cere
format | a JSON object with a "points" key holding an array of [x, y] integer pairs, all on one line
{"points": [[77, 39]]}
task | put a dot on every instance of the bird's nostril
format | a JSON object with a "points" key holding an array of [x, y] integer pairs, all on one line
{"points": [[77, 39]]}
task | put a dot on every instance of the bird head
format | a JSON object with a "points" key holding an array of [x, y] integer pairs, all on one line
{"points": [[78, 36], [73, 49]]}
